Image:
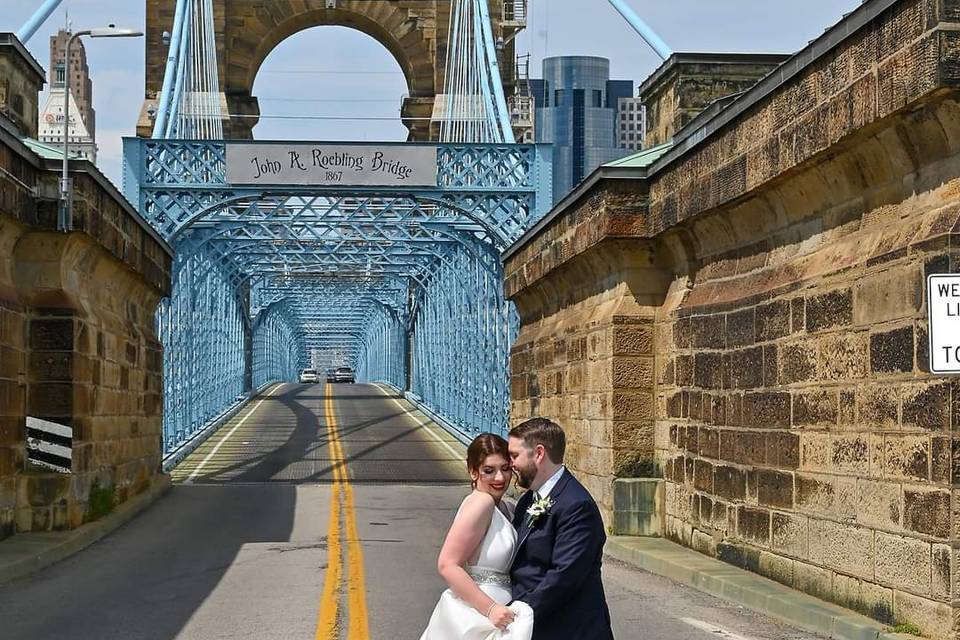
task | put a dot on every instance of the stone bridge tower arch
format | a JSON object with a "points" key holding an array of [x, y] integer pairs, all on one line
{"points": [[414, 31]]}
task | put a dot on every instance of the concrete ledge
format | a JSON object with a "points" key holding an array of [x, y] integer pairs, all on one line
{"points": [[637, 507], [26, 553], [750, 590]]}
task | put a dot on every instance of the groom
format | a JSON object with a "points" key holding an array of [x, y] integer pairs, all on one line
{"points": [[556, 569]]}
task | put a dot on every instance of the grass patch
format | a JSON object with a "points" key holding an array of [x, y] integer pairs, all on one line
{"points": [[99, 502], [906, 627]]}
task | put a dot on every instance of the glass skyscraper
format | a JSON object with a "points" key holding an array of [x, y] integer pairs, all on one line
{"points": [[577, 111]]}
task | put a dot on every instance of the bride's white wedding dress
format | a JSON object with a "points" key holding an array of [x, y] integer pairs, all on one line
{"points": [[454, 619]]}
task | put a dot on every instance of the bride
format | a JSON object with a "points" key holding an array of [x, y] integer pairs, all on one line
{"points": [[476, 556]]}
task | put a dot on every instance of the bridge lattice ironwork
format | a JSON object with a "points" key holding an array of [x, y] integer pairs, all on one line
{"points": [[402, 283]]}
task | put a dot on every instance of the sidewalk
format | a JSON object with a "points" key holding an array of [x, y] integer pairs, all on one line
{"points": [[26, 553], [724, 581]]}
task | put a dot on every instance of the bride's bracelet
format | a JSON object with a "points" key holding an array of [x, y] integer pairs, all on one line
{"points": [[491, 608]]}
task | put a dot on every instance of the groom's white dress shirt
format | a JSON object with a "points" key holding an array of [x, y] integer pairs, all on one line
{"points": [[551, 482]]}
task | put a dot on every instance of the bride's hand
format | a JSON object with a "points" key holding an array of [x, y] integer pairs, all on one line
{"points": [[501, 616]]}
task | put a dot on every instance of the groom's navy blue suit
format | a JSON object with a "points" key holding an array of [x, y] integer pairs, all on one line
{"points": [[556, 569]]}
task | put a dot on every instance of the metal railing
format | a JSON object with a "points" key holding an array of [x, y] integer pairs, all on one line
{"points": [[521, 102], [406, 285], [515, 12]]}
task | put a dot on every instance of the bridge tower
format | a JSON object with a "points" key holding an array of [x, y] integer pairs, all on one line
{"points": [[414, 31]]}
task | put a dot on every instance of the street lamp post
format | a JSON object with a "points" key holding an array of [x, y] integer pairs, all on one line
{"points": [[65, 217]]}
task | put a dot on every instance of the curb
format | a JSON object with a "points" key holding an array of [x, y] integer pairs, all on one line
{"points": [[26, 553], [724, 581]]}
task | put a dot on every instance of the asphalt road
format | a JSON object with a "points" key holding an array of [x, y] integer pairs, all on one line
{"points": [[317, 512]]}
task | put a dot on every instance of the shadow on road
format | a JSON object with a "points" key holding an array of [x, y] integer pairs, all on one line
{"points": [[147, 579]]}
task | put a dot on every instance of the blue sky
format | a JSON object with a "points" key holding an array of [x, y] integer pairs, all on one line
{"points": [[328, 73]]}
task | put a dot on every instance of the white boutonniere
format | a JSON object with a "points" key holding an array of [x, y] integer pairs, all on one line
{"points": [[538, 509]]}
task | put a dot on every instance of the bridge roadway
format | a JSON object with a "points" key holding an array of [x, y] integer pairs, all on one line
{"points": [[247, 545]]}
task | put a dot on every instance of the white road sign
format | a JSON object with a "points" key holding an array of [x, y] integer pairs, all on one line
{"points": [[322, 164], [943, 304]]}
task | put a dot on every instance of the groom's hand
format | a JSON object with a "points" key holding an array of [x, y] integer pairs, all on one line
{"points": [[501, 616]]}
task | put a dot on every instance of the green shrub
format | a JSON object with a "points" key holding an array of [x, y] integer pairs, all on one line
{"points": [[907, 628], [100, 501]]}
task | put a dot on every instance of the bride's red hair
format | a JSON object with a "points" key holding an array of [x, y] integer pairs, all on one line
{"points": [[485, 444]]}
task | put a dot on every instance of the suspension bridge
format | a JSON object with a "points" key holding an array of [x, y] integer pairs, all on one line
{"points": [[336, 264], [299, 510], [287, 255], [400, 279], [734, 326]]}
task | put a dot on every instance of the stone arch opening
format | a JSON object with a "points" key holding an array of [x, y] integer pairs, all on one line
{"points": [[414, 31], [407, 33], [330, 83]]}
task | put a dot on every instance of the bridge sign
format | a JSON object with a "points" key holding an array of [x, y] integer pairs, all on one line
{"points": [[398, 165], [943, 305]]}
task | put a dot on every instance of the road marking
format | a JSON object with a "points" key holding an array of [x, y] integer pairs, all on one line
{"points": [[357, 624], [358, 628], [330, 600], [456, 454], [720, 632], [226, 437], [332, 582]]}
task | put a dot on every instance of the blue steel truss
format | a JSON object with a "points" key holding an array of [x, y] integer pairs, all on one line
{"points": [[403, 284]]}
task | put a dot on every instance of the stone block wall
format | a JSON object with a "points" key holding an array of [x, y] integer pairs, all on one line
{"points": [[780, 265], [687, 83], [21, 78], [93, 365], [13, 354], [584, 356], [77, 345], [593, 380], [798, 427], [799, 430], [900, 57]]}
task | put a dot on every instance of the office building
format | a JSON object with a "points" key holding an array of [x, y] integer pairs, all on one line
{"points": [[82, 123], [577, 108], [631, 123]]}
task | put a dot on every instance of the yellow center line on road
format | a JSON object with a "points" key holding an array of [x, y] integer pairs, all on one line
{"points": [[342, 498], [356, 588], [330, 600]]}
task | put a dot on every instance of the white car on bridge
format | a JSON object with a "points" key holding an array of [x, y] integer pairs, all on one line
{"points": [[309, 376]]}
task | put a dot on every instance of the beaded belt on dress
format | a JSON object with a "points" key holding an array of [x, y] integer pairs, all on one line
{"points": [[489, 576]]}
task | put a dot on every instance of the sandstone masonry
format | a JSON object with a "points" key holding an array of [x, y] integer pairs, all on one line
{"points": [[414, 31], [688, 83], [746, 317], [77, 342]]}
